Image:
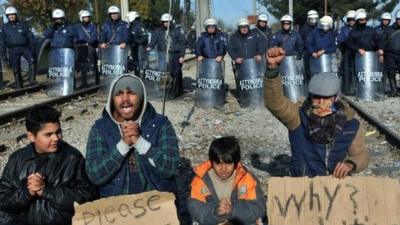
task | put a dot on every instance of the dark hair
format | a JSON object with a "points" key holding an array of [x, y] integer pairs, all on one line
{"points": [[225, 149], [39, 115]]}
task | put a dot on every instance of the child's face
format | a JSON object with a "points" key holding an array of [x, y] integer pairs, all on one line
{"points": [[223, 170], [46, 140]]}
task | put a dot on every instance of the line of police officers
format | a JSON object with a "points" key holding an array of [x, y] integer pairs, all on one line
{"points": [[83, 37], [314, 39]]}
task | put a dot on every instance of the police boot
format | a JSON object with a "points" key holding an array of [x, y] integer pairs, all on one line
{"points": [[32, 74], [18, 80], [96, 75], [1, 80], [392, 83]]}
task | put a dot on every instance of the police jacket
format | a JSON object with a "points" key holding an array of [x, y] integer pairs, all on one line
{"points": [[342, 36], [380, 29], [264, 37], [65, 183], [320, 40], [114, 32], [248, 202], [17, 34], [138, 34], [309, 158], [306, 31], [391, 39], [62, 36], [364, 38], [243, 45], [177, 40], [290, 41], [86, 33], [210, 45]]}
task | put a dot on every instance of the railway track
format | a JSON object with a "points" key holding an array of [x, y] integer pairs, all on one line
{"points": [[391, 137]]}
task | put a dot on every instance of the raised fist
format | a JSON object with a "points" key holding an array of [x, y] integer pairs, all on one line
{"points": [[275, 56]]}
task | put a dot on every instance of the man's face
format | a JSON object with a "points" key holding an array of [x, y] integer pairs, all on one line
{"points": [[385, 22], [286, 25], [322, 105], [114, 16], [398, 22], [352, 22], [127, 105], [211, 29], [223, 170], [262, 23], [312, 21], [86, 19], [165, 23], [244, 29], [362, 21], [47, 138], [12, 17]]}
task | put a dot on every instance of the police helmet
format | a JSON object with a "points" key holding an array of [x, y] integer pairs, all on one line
{"points": [[242, 22], [397, 15], [361, 14], [113, 9], [386, 16], [132, 15], [351, 14], [262, 17], [326, 22], [287, 18], [11, 10], [312, 14], [166, 17], [57, 14], [83, 13], [210, 22]]}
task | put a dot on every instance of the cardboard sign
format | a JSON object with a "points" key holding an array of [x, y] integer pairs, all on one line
{"points": [[150, 208], [331, 201]]}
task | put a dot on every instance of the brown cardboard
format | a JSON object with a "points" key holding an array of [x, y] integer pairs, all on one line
{"points": [[150, 208]]}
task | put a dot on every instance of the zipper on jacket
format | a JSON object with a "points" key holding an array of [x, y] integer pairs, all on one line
{"points": [[328, 147]]}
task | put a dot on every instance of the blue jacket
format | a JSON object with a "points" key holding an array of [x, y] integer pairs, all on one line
{"points": [[264, 36], [244, 46], [177, 38], [364, 38], [380, 29], [210, 45], [310, 159], [342, 36], [86, 33], [306, 31], [320, 40], [138, 34], [17, 34], [290, 41], [114, 32], [61, 36]]}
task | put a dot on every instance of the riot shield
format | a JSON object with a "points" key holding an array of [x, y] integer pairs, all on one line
{"points": [[210, 84], [86, 61], [347, 73], [292, 72], [61, 72], [155, 74], [250, 84], [370, 80], [324, 63], [114, 62]]}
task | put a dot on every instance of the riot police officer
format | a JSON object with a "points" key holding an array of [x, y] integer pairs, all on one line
{"points": [[191, 39], [347, 60], [243, 44], [364, 38], [386, 18], [176, 40], [288, 39], [322, 40], [211, 43], [263, 32], [391, 39], [18, 38], [305, 32], [114, 31], [61, 33], [86, 42], [138, 41]]}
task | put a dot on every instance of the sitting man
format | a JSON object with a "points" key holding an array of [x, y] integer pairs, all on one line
{"points": [[324, 135], [223, 190], [41, 181]]}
